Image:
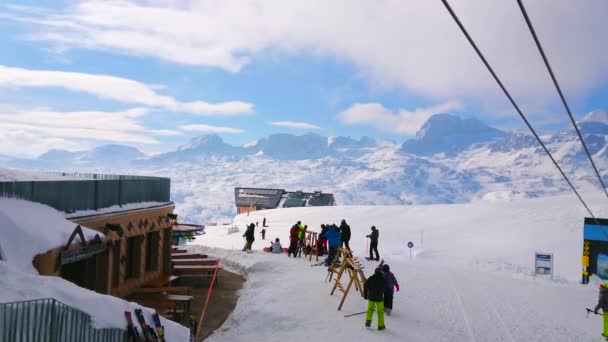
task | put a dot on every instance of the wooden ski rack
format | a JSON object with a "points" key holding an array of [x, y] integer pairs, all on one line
{"points": [[349, 265]]}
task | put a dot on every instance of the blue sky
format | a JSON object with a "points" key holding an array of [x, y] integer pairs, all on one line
{"points": [[153, 74]]}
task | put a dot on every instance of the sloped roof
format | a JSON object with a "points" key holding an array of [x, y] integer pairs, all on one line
{"points": [[261, 198]]}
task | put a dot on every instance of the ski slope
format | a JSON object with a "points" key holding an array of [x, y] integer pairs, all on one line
{"points": [[470, 280]]}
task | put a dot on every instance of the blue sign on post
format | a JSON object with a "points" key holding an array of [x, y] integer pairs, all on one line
{"points": [[543, 263], [410, 244]]}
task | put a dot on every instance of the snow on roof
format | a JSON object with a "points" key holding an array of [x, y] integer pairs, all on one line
{"points": [[27, 229], [14, 175]]}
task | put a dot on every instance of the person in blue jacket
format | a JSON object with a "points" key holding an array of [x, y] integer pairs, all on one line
{"points": [[334, 242]]}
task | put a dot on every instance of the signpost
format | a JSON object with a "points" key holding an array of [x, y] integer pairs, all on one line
{"points": [[543, 264], [410, 245]]}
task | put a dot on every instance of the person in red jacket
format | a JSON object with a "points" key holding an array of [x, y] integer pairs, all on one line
{"points": [[293, 241]]}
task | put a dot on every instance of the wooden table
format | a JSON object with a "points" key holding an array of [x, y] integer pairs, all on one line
{"points": [[185, 300]]}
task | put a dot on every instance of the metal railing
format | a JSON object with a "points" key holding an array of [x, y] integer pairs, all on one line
{"points": [[48, 320], [92, 192]]}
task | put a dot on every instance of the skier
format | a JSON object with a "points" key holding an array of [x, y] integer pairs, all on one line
{"points": [[602, 302], [373, 244], [293, 241], [373, 292], [249, 237], [264, 222], [263, 232], [333, 239], [391, 285], [322, 239], [345, 233], [276, 247]]}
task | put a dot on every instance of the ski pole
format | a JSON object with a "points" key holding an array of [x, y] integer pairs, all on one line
{"points": [[355, 314], [593, 311]]}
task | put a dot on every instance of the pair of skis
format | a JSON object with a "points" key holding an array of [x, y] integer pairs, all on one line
{"points": [[149, 334]]}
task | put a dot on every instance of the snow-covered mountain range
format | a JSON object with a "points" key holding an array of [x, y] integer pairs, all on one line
{"points": [[451, 160]]}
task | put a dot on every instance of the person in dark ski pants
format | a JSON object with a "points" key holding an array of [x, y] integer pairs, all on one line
{"points": [[602, 302], [373, 244], [373, 292], [345, 233], [263, 232], [249, 237], [391, 285], [293, 241], [333, 239]]}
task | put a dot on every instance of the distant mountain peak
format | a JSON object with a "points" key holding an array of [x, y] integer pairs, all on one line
{"points": [[598, 115], [450, 134], [202, 141]]}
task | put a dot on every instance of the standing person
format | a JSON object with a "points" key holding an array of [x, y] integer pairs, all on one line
{"points": [[373, 244], [249, 237], [263, 232], [391, 285], [333, 239], [293, 241], [322, 239], [345, 233], [256, 224], [264, 222], [373, 292], [276, 247], [602, 302]]}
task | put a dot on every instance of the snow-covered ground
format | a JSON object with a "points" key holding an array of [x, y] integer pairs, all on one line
{"points": [[27, 229], [470, 278]]}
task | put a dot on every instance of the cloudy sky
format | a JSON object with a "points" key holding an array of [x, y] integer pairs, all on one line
{"points": [[152, 74]]}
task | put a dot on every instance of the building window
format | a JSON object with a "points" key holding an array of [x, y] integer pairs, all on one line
{"points": [[116, 264], [133, 256], [152, 249]]}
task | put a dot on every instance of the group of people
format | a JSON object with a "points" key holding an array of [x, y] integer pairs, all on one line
{"points": [[378, 290]]}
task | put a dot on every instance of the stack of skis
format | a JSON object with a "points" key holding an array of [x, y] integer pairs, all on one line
{"points": [[148, 334]]}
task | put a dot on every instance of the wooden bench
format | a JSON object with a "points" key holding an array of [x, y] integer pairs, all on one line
{"points": [[193, 269], [161, 281], [188, 256], [195, 261]]}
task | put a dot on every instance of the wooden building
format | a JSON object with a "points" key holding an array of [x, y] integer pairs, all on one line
{"points": [[133, 247]]}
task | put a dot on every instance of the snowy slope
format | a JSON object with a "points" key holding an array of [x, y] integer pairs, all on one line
{"points": [[470, 280], [27, 229]]}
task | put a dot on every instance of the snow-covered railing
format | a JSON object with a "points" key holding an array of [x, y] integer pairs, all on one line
{"points": [[92, 192], [50, 320]]}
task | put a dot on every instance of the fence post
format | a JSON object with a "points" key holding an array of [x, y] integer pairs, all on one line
{"points": [[53, 322]]}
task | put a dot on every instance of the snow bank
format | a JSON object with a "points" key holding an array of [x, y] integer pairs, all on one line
{"points": [[14, 175], [114, 208], [27, 229]]}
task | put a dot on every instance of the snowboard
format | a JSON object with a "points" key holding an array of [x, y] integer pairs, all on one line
{"points": [[148, 332]]}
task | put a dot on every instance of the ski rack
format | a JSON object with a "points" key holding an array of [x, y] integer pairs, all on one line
{"points": [[314, 246], [355, 271]]}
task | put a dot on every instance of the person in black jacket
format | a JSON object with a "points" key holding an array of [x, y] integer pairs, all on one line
{"points": [[345, 234], [373, 292], [373, 244], [249, 237]]}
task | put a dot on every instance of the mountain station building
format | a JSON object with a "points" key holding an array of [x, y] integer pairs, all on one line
{"points": [[253, 199]]}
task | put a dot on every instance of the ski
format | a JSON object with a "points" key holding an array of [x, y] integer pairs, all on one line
{"points": [[160, 330], [133, 334], [148, 332], [355, 314], [322, 263]]}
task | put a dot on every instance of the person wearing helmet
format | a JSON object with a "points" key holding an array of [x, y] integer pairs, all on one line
{"points": [[373, 292], [373, 244], [391, 285], [602, 302], [345, 233]]}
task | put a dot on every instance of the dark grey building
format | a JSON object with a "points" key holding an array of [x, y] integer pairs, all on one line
{"points": [[252, 199]]}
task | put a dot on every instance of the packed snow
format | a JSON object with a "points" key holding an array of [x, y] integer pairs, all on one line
{"points": [[28, 229], [470, 277]]}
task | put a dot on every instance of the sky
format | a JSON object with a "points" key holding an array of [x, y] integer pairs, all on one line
{"points": [[153, 74]]}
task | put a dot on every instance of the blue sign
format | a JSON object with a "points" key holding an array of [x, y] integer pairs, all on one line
{"points": [[543, 263], [410, 244]]}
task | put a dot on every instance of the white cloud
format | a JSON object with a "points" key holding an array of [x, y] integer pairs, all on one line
{"points": [[32, 131], [411, 44], [294, 124], [401, 121], [210, 129], [115, 88]]}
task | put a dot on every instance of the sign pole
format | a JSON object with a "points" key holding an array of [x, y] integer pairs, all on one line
{"points": [[410, 245]]}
